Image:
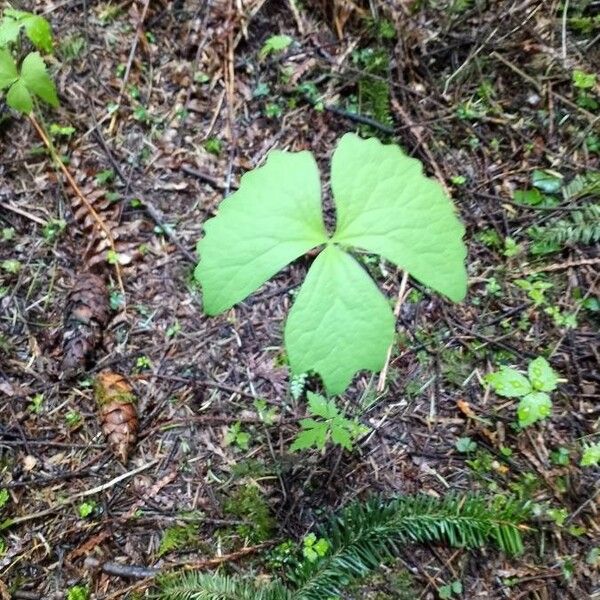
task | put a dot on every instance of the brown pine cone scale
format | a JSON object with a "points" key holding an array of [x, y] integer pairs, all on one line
{"points": [[117, 412], [86, 315]]}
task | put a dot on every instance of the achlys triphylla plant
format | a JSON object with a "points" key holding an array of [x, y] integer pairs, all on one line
{"points": [[31, 79], [535, 403], [340, 322]]}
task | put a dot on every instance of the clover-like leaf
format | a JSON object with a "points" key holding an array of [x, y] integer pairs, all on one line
{"points": [[542, 375], [339, 323], [386, 205], [509, 383], [273, 218], [9, 31], [37, 29], [534, 407], [19, 98], [8, 69], [37, 80]]}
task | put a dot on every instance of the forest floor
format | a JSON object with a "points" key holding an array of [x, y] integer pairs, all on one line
{"points": [[169, 107]]}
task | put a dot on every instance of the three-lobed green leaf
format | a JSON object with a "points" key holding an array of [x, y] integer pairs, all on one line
{"points": [[37, 29], [535, 404], [340, 322], [33, 80]]}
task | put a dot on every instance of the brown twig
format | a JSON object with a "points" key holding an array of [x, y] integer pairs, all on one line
{"points": [[101, 225]]}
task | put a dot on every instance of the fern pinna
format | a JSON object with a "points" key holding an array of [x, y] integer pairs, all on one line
{"points": [[362, 537]]}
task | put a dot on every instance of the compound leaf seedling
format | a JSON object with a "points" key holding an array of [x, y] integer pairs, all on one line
{"points": [[340, 322], [330, 424], [535, 403], [36, 28], [32, 79]]}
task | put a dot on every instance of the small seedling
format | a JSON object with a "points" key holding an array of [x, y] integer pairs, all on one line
{"points": [[331, 425], [314, 548], [591, 455], [465, 445], [450, 589], [560, 456], [265, 413], [73, 418], [274, 44], [535, 403], [78, 592], [36, 404], [4, 497], [236, 436], [31, 80], [87, 508], [340, 322]]}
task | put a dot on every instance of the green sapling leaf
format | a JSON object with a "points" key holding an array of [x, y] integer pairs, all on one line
{"points": [[534, 407], [340, 322], [273, 218], [591, 455], [9, 31], [541, 375], [39, 32], [19, 98], [8, 69], [509, 383], [386, 205], [37, 80]]}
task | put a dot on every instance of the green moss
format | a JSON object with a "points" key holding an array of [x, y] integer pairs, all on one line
{"points": [[248, 505]]}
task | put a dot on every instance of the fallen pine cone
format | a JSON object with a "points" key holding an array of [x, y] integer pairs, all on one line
{"points": [[118, 414], [86, 315]]}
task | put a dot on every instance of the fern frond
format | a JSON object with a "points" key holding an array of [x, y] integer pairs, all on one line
{"points": [[209, 586], [365, 535]]}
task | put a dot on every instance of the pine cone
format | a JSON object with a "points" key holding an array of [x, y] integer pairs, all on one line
{"points": [[118, 414], [86, 315]]}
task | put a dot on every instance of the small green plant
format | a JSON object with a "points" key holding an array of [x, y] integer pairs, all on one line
{"points": [[465, 445], [87, 508], [591, 455], [340, 322], [31, 80], [584, 83], [78, 592], [535, 403], [449, 590], [314, 548], [237, 437], [4, 498], [36, 405], [274, 44], [73, 418], [331, 425]]}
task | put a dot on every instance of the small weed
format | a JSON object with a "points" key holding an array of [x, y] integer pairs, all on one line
{"points": [[449, 590], [330, 426], [73, 418], [235, 436], [275, 44], [78, 592], [314, 548], [87, 508], [535, 403], [591, 455]]}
